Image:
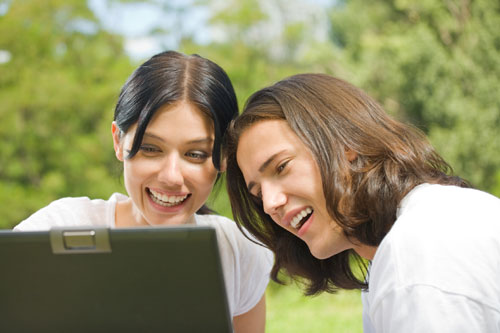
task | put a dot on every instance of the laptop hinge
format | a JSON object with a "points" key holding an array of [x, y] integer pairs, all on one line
{"points": [[80, 240]]}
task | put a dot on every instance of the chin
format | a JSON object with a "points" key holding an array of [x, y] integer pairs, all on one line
{"points": [[320, 252], [175, 221], [163, 222]]}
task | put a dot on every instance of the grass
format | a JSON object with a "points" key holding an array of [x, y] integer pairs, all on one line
{"points": [[288, 310]]}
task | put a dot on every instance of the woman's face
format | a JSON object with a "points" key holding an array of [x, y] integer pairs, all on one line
{"points": [[172, 174], [281, 171]]}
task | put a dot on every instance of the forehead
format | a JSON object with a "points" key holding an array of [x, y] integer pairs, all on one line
{"points": [[178, 122], [273, 131], [263, 140], [181, 114]]}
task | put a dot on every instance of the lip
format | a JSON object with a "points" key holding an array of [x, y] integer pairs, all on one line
{"points": [[303, 229], [164, 209], [287, 219]]}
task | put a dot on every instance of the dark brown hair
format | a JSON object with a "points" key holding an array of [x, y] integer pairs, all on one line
{"points": [[330, 115]]}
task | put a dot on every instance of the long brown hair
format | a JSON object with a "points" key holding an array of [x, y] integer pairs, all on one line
{"points": [[330, 116]]}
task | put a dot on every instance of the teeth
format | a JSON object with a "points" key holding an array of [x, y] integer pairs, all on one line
{"points": [[166, 200], [296, 220]]}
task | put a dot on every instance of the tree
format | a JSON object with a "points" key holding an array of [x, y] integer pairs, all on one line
{"points": [[435, 64], [57, 93]]}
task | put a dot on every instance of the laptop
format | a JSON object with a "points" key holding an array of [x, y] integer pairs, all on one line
{"points": [[152, 279]]}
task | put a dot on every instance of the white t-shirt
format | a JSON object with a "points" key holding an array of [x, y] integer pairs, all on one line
{"points": [[438, 269], [246, 266]]}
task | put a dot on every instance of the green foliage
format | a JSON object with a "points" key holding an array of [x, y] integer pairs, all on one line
{"points": [[57, 94], [255, 49], [435, 64]]}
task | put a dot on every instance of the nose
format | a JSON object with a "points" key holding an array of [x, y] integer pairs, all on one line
{"points": [[170, 172], [273, 198]]}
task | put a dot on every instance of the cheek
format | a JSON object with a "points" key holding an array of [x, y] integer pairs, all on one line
{"points": [[313, 177], [304, 178], [203, 177], [136, 170]]}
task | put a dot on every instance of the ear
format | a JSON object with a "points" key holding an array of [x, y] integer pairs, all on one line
{"points": [[350, 154], [115, 131]]}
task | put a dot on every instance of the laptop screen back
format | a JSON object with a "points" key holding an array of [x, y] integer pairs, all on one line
{"points": [[149, 279]]}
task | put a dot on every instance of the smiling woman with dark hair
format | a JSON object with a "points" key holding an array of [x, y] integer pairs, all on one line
{"points": [[319, 173], [169, 122]]}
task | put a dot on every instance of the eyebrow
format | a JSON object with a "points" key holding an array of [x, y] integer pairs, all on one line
{"points": [[262, 168], [202, 140]]}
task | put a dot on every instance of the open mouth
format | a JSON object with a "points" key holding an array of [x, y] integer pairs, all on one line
{"points": [[167, 200], [301, 218]]}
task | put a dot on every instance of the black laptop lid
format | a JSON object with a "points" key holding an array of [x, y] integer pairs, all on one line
{"points": [[166, 279]]}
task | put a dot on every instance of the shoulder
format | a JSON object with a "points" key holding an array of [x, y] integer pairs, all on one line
{"points": [[220, 223], [246, 265], [228, 231], [447, 200], [445, 237], [444, 218], [71, 211], [225, 227]]}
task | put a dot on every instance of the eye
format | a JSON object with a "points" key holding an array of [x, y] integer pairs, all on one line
{"points": [[281, 167], [149, 149], [197, 155]]}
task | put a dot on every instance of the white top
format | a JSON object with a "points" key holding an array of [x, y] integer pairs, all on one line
{"points": [[438, 269], [246, 266]]}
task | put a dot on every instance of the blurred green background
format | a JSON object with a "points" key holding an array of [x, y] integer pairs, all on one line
{"points": [[433, 63]]}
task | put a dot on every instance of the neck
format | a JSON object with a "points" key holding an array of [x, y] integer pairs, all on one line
{"points": [[127, 216], [365, 251]]}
